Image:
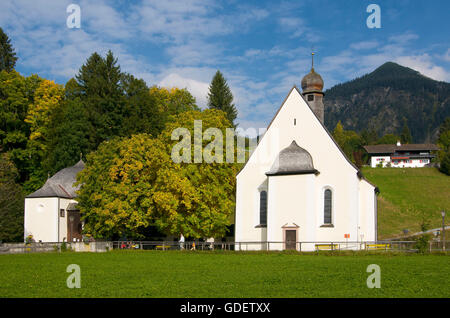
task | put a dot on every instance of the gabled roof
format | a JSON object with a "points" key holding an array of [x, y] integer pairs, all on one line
{"points": [[358, 171], [60, 185], [389, 148]]}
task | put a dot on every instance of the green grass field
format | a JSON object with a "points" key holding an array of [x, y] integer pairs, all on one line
{"points": [[407, 196], [223, 274]]}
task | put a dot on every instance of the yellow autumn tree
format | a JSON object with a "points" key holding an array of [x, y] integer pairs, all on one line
{"points": [[132, 183], [47, 99]]}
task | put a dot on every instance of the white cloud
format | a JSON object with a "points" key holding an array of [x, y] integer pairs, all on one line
{"points": [[198, 89], [424, 65]]}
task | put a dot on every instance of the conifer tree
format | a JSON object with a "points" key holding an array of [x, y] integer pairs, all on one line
{"points": [[7, 55], [221, 98], [405, 136]]}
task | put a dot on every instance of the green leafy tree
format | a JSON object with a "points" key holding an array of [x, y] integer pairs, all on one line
{"points": [[350, 143], [16, 96], [389, 139], [221, 98], [7, 55], [11, 202], [130, 184]]}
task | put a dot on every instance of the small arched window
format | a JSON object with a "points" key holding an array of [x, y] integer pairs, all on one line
{"points": [[263, 208], [327, 207]]}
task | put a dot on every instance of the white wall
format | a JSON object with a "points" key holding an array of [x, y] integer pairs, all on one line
{"points": [[412, 163], [43, 221], [335, 171]]}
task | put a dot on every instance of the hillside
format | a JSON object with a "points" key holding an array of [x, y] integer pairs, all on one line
{"points": [[407, 196], [381, 100]]}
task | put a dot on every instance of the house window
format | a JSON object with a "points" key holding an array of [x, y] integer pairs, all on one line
{"points": [[327, 206], [310, 98], [263, 208], [61, 212]]}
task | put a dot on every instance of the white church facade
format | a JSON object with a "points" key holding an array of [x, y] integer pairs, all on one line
{"points": [[298, 185], [51, 213]]}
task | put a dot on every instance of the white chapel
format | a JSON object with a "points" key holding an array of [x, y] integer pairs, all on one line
{"points": [[298, 188]]}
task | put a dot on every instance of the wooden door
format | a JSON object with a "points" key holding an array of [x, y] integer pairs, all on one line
{"points": [[73, 226], [291, 238]]}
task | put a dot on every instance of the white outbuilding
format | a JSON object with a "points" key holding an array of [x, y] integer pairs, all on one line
{"points": [[298, 190], [51, 213]]}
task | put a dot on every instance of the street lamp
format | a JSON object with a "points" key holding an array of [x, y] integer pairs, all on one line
{"points": [[443, 230]]}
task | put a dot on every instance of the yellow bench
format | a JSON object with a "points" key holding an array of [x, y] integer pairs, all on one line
{"points": [[327, 247], [160, 247], [378, 246]]}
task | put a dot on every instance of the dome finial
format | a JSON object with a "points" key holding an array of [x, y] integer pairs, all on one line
{"points": [[312, 60]]}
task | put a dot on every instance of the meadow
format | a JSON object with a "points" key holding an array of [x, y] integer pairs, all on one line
{"points": [[190, 274], [407, 197]]}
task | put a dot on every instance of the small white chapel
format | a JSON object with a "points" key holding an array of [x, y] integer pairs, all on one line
{"points": [[298, 188]]}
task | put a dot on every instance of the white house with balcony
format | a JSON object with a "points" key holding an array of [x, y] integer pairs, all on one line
{"points": [[298, 188], [401, 156]]}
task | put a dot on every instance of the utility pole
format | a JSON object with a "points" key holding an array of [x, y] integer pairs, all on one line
{"points": [[443, 230]]}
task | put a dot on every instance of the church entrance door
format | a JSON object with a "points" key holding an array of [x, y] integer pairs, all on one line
{"points": [[73, 226], [291, 239]]}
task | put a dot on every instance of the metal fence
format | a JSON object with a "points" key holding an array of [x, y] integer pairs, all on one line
{"points": [[406, 246], [101, 246]]}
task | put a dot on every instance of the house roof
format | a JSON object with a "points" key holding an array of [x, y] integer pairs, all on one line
{"points": [[389, 148], [60, 185]]}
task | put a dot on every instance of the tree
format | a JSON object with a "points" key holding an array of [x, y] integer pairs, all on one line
{"points": [[11, 202], [47, 99], [130, 184], [7, 55], [16, 96], [389, 139], [102, 94], [350, 143], [221, 98], [444, 145], [405, 136], [69, 135]]}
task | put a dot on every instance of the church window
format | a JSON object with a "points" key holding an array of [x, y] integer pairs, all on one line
{"points": [[295, 121], [61, 212], [310, 98], [327, 206], [263, 207]]}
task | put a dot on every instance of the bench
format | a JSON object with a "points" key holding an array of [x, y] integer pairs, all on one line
{"points": [[385, 246], [327, 247]]}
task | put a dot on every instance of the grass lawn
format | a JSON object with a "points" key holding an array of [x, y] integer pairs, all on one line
{"points": [[223, 274], [407, 196]]}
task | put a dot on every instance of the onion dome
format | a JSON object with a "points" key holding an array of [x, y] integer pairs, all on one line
{"points": [[292, 160], [312, 82]]}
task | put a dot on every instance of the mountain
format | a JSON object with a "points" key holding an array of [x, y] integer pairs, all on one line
{"points": [[383, 99]]}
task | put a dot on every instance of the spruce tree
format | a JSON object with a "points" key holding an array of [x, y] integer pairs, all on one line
{"points": [[7, 55], [405, 136], [220, 97]]}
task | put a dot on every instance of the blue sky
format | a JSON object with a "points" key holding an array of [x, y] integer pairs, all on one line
{"points": [[262, 47]]}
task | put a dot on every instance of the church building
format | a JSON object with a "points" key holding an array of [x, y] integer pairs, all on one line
{"points": [[298, 189], [51, 213]]}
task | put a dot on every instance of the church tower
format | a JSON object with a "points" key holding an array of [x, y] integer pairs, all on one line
{"points": [[312, 86]]}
